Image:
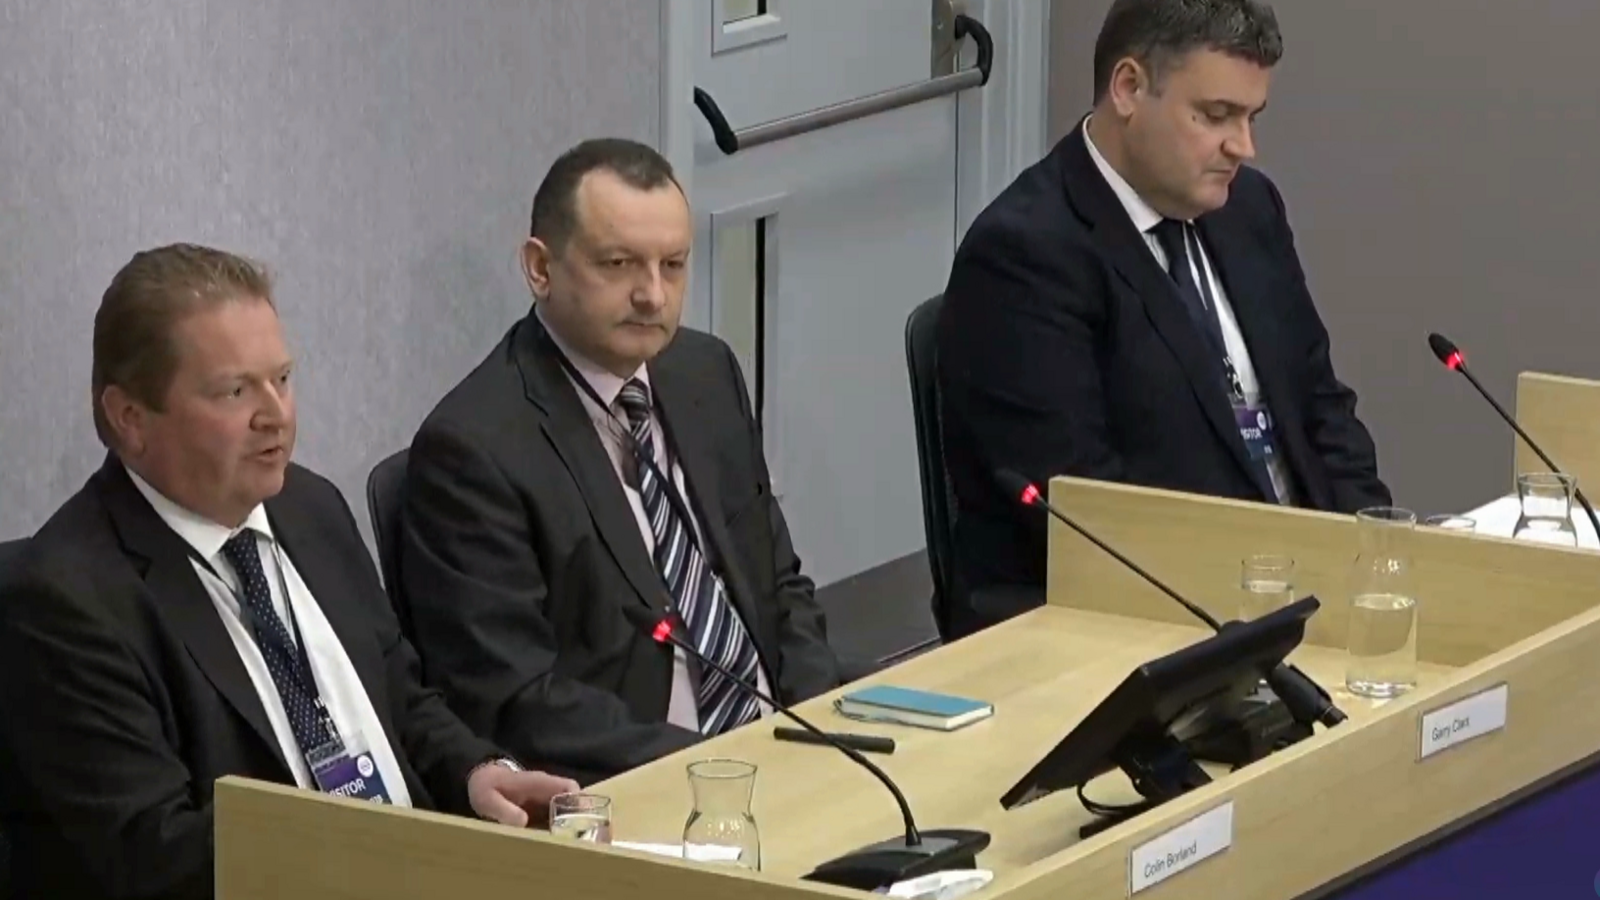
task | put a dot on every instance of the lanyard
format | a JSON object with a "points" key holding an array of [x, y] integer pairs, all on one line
{"points": [[1210, 319], [679, 505], [301, 670]]}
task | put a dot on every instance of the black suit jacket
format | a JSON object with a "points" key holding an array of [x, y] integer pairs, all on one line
{"points": [[124, 698], [1064, 349], [519, 552]]}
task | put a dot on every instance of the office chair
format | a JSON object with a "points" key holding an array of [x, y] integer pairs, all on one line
{"points": [[385, 498], [10, 553], [938, 496]]}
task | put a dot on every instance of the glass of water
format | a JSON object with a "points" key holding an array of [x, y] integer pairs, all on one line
{"points": [[581, 817], [1268, 582], [1382, 643], [1546, 514]]}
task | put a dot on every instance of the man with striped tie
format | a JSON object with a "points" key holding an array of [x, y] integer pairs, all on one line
{"points": [[600, 458]]}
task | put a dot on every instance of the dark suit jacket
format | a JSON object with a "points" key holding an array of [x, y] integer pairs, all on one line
{"points": [[1064, 349], [519, 552], [124, 698]]}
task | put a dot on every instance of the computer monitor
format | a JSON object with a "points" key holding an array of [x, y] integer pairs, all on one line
{"points": [[1143, 725]]}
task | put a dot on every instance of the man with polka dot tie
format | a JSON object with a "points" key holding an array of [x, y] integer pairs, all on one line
{"points": [[203, 608]]}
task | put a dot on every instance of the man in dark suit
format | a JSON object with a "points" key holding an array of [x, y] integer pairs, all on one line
{"points": [[1132, 308], [601, 459], [204, 608]]}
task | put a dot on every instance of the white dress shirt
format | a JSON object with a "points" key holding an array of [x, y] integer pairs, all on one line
{"points": [[337, 682], [1144, 219], [609, 422]]}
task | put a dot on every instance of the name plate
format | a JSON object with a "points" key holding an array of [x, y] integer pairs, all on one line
{"points": [[1465, 719], [1160, 858]]}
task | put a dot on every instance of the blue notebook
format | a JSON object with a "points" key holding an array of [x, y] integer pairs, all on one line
{"points": [[907, 706]]}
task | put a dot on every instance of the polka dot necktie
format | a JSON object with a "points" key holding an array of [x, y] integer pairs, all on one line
{"points": [[277, 648], [714, 627]]}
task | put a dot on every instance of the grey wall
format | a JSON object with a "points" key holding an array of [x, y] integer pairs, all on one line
{"points": [[379, 155], [1438, 163]]}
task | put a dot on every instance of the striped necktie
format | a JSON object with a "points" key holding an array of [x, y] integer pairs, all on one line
{"points": [[714, 626]]}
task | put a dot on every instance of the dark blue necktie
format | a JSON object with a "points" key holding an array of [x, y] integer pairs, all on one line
{"points": [[1176, 240], [283, 657], [1174, 237]]}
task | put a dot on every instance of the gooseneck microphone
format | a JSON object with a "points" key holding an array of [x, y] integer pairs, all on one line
{"points": [[1305, 700], [876, 865], [1448, 353]]}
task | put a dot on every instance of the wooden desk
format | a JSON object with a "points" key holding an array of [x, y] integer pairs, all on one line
{"points": [[1044, 672], [1492, 612], [1563, 415]]}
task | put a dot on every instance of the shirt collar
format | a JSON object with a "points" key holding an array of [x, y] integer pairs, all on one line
{"points": [[1143, 214], [606, 384], [204, 535]]}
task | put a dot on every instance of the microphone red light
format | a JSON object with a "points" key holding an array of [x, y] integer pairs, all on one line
{"points": [[662, 632], [1455, 360], [1029, 495]]}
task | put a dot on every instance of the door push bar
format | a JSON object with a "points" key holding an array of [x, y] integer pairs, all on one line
{"points": [[730, 141]]}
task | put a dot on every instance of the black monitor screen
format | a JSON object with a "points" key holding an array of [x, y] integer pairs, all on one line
{"points": [[1175, 696]]}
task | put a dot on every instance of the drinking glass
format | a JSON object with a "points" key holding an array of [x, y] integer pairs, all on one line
{"points": [[1268, 583], [581, 817], [1546, 500]]}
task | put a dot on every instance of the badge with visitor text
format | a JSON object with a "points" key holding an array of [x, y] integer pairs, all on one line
{"points": [[1255, 427], [347, 769]]}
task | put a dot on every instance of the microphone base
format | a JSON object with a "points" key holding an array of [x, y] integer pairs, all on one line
{"points": [[886, 862]]}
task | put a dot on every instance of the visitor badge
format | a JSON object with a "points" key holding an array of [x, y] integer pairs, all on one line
{"points": [[347, 769], [1255, 427]]}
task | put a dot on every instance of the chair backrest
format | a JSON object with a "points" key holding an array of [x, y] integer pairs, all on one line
{"points": [[938, 496], [10, 553], [385, 499]]}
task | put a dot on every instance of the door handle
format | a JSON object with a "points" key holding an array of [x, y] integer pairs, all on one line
{"points": [[730, 141]]}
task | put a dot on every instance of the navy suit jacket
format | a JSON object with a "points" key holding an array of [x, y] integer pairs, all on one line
{"points": [[1064, 349]]}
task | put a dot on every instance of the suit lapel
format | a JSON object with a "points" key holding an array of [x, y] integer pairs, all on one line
{"points": [[679, 403], [324, 575], [178, 593], [1250, 297], [1130, 255], [572, 432]]}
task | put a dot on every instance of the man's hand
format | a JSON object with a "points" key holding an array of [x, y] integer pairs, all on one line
{"points": [[513, 798]]}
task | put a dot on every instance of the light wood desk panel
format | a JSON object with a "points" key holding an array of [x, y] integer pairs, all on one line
{"points": [[1563, 415], [1044, 672], [1475, 594], [1499, 611]]}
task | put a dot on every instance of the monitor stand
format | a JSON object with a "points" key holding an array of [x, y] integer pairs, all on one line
{"points": [[1160, 767], [1252, 728]]}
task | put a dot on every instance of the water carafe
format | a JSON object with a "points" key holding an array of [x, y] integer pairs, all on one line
{"points": [[1382, 641], [721, 827]]}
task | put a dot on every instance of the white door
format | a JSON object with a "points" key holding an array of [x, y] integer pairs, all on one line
{"points": [[814, 247]]}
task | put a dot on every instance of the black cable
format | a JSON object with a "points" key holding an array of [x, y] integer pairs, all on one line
{"points": [[1112, 809]]}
